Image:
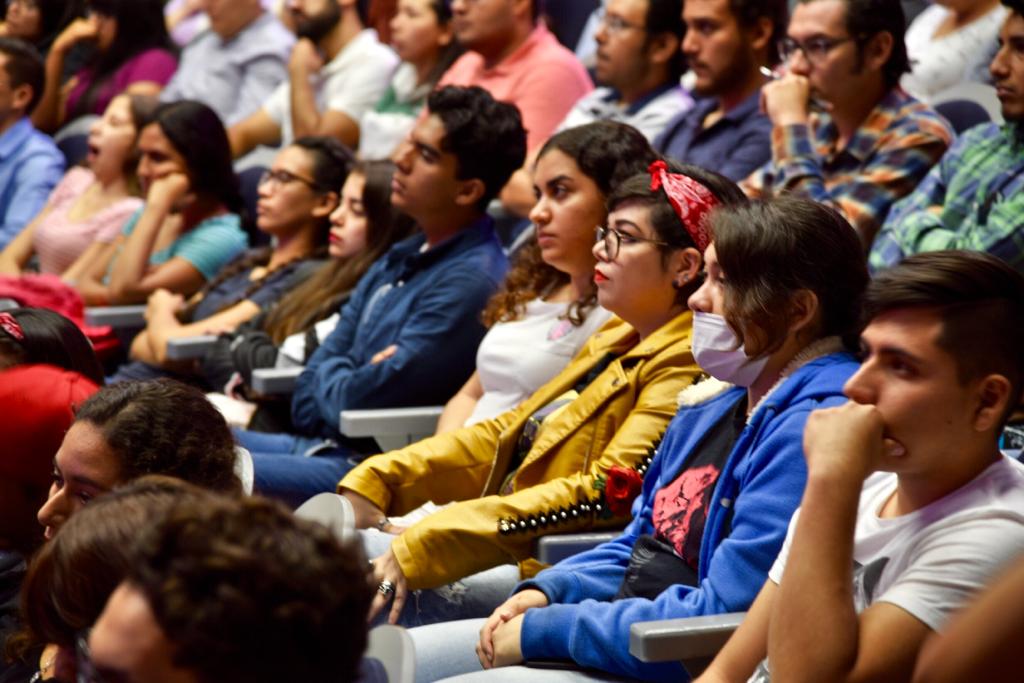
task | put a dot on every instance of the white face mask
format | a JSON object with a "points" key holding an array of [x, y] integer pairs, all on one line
{"points": [[715, 350]]}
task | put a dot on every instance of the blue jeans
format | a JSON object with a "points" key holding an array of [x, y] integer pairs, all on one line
{"points": [[284, 471], [474, 596], [448, 652]]}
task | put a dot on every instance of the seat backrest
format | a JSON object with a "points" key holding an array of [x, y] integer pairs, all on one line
{"points": [[331, 510], [393, 648], [568, 17], [962, 114]]}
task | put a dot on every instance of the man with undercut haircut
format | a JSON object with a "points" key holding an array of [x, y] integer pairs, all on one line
{"points": [[843, 132]]}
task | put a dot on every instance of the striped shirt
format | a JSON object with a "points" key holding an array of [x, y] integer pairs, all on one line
{"points": [[973, 199], [899, 141]]}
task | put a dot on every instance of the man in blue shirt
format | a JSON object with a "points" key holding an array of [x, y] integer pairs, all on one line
{"points": [[726, 44], [30, 164], [408, 335]]}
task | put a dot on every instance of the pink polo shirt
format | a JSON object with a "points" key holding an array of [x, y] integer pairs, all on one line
{"points": [[541, 77]]}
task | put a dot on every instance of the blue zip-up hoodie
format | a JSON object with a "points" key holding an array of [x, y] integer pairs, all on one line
{"points": [[759, 488], [426, 303]]}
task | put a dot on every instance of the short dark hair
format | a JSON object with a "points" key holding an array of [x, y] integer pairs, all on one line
{"points": [[246, 592], [663, 217], [50, 338], [771, 249], [164, 427], [980, 300], [867, 18], [749, 12], [486, 136], [24, 67], [198, 134], [666, 16]]}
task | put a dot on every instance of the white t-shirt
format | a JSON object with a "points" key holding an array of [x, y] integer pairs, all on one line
{"points": [[517, 358], [933, 560], [964, 55], [352, 83]]}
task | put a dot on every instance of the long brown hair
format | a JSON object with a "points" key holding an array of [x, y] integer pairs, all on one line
{"points": [[606, 152], [321, 294]]}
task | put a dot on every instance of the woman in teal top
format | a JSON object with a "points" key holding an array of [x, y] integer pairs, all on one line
{"points": [[189, 227]]}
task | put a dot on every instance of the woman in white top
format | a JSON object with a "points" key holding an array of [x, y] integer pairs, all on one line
{"points": [[951, 42], [548, 307]]}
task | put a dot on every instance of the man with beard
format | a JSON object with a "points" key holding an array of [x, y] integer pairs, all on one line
{"points": [[726, 44], [338, 70], [843, 132]]}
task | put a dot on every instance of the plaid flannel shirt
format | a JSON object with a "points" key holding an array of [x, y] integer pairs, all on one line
{"points": [[899, 141], [973, 199]]}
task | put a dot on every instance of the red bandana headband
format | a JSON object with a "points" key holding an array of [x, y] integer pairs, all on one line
{"points": [[9, 325], [691, 201]]}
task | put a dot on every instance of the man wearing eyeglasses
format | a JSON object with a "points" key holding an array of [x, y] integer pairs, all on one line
{"points": [[726, 44], [638, 64], [974, 198], [843, 132]]}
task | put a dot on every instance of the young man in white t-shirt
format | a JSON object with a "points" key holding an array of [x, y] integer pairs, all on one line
{"points": [[910, 507]]}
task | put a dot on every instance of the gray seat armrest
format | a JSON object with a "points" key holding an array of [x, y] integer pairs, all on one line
{"points": [[556, 547], [694, 638], [270, 381], [187, 348], [116, 316], [8, 304], [391, 427]]}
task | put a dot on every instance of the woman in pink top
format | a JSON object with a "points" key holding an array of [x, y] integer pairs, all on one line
{"points": [[133, 54], [92, 202]]}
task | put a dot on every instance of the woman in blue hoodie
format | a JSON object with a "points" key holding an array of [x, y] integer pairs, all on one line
{"points": [[773, 323]]}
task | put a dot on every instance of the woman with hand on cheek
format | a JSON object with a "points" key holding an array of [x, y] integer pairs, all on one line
{"points": [[189, 227]]}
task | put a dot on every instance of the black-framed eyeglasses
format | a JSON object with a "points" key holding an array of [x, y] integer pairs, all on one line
{"points": [[814, 50], [615, 24], [278, 178], [613, 240]]}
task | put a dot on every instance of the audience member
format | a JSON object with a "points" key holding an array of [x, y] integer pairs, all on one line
{"points": [[408, 335], [130, 429], [92, 202], [981, 641], [37, 402], [236, 64], [547, 309], [132, 54], [363, 227], [867, 143], [541, 467], [338, 71], [909, 508], [513, 56], [189, 227], [951, 42], [422, 36], [30, 164], [235, 591], [70, 579], [715, 501], [974, 197], [30, 336], [296, 196], [638, 67], [726, 44], [39, 22]]}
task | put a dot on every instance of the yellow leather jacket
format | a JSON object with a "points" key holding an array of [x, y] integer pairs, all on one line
{"points": [[615, 421]]}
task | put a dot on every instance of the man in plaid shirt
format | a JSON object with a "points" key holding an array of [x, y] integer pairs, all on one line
{"points": [[843, 132], [974, 197]]}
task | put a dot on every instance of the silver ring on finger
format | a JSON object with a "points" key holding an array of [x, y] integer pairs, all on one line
{"points": [[386, 587]]}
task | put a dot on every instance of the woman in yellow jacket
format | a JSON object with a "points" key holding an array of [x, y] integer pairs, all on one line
{"points": [[542, 467]]}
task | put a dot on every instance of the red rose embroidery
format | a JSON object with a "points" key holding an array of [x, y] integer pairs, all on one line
{"points": [[621, 487]]}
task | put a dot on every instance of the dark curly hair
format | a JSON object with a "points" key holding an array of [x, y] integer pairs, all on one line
{"points": [[52, 339], [607, 152], [769, 250], [248, 593], [164, 427], [485, 136]]}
